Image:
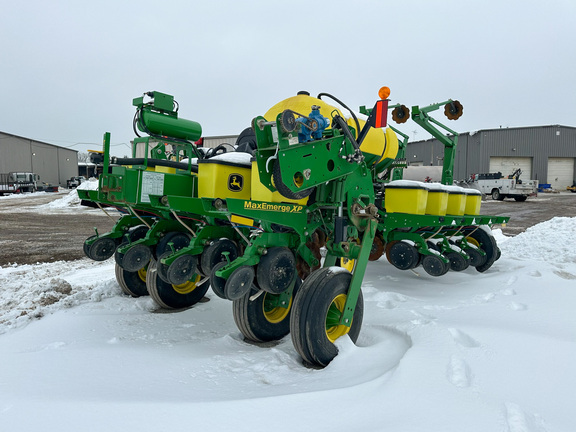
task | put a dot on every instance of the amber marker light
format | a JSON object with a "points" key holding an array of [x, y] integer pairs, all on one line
{"points": [[384, 92]]}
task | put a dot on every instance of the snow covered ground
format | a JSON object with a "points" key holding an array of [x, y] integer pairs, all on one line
{"points": [[464, 352]]}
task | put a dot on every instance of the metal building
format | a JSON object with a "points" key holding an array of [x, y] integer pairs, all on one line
{"points": [[544, 153], [54, 164], [215, 141]]}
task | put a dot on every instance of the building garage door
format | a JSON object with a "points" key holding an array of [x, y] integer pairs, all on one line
{"points": [[507, 165], [560, 172]]}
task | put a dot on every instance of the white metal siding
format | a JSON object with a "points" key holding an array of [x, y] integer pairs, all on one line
{"points": [[213, 142], [560, 172], [507, 165]]}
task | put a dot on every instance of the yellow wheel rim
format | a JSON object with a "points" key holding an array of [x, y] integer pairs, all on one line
{"points": [[142, 274], [188, 286], [348, 264], [334, 330], [274, 314], [473, 241]]}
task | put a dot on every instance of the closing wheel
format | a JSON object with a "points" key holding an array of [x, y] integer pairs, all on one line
{"points": [[162, 269], [263, 319], [276, 270], [214, 254], [484, 239], [377, 249], [132, 283], [135, 233], [283, 189], [403, 256], [136, 257], [457, 261], [239, 282], [217, 283], [302, 267], [182, 269], [434, 266], [171, 296], [476, 257], [86, 247], [315, 320], [102, 249]]}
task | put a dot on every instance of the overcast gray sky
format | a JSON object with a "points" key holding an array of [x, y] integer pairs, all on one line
{"points": [[70, 69]]}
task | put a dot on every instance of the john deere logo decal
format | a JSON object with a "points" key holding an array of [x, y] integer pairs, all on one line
{"points": [[235, 182]]}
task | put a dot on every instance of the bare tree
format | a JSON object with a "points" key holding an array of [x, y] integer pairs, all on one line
{"points": [[83, 157]]}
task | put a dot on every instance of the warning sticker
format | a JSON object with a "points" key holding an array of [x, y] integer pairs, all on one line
{"points": [[152, 184]]}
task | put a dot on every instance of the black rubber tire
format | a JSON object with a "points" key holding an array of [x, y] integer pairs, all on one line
{"points": [[169, 296], [102, 249], [434, 266], [132, 283], [403, 256], [212, 255], [179, 239], [246, 141], [496, 195], [520, 198], [258, 321], [310, 310], [239, 282], [276, 270], [218, 283], [457, 262], [488, 245], [283, 189]]}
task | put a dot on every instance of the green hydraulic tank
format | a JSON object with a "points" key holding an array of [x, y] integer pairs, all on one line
{"points": [[171, 126]]}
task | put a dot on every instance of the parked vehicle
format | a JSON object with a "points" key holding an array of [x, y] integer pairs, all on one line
{"points": [[18, 182], [74, 182], [500, 187]]}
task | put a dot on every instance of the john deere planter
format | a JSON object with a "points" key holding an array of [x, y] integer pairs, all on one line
{"points": [[251, 223]]}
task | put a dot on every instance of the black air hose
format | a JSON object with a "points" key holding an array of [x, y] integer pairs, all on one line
{"points": [[152, 163], [345, 106]]}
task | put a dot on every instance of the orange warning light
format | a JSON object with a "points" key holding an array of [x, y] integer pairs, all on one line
{"points": [[384, 92]]}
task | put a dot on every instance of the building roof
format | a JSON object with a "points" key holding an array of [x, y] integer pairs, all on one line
{"points": [[38, 141], [471, 133]]}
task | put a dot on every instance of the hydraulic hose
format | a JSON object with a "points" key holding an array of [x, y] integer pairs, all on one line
{"points": [[153, 163], [345, 106]]}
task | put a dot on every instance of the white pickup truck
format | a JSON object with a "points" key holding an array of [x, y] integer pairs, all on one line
{"points": [[500, 187]]}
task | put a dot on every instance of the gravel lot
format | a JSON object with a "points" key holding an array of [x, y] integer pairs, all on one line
{"points": [[30, 233]]}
